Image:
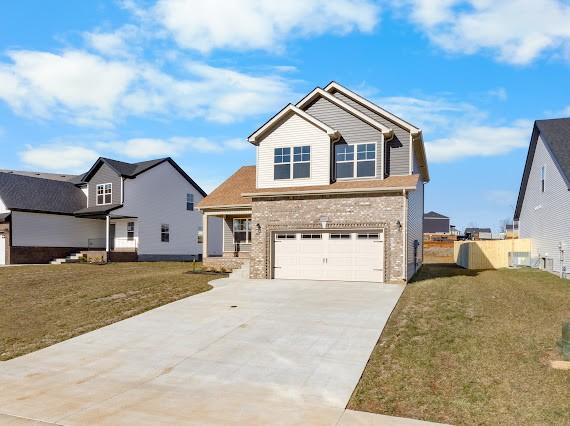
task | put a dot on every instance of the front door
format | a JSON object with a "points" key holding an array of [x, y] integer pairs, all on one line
{"points": [[112, 236]]}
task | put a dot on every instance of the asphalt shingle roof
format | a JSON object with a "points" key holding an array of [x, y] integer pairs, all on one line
{"points": [[436, 215], [21, 192]]}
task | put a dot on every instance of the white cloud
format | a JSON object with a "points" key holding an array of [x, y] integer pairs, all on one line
{"points": [[146, 148], [115, 43], [258, 24], [61, 158], [237, 144], [479, 141], [457, 130], [499, 93], [83, 86], [501, 197], [515, 31], [87, 89]]}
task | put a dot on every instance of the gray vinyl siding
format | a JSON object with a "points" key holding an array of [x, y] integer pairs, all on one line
{"points": [[229, 236], [545, 215], [398, 148], [105, 174], [352, 129], [415, 227]]}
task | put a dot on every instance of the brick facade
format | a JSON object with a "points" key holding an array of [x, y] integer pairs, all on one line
{"points": [[381, 211]]}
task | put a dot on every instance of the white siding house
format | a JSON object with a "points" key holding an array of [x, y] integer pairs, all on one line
{"points": [[543, 207]]}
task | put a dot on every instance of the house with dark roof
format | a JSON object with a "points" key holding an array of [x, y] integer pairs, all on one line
{"points": [[125, 211], [336, 194], [436, 223], [543, 205], [478, 233]]}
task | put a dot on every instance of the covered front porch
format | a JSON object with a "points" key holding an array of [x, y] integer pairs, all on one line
{"points": [[120, 231], [236, 233]]}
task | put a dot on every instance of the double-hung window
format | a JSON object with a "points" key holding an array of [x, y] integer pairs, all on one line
{"points": [[165, 233], [104, 193], [242, 230], [366, 160], [344, 159], [349, 165], [130, 231], [301, 162], [190, 202], [542, 177], [282, 163]]}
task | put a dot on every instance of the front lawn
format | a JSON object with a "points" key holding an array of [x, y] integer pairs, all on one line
{"points": [[43, 305], [467, 347]]}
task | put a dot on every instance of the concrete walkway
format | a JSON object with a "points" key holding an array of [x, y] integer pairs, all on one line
{"points": [[247, 352]]}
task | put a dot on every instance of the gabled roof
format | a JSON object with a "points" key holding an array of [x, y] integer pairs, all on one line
{"points": [[333, 86], [555, 134], [132, 170], [318, 92], [52, 176], [416, 132], [229, 193], [289, 110], [434, 215], [21, 192]]}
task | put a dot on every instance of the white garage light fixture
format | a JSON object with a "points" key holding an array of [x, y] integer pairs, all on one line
{"points": [[324, 220]]}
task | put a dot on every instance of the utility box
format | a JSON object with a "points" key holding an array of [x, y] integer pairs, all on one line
{"points": [[565, 342]]}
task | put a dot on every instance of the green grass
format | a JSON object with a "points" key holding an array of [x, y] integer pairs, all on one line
{"points": [[472, 347], [43, 305]]}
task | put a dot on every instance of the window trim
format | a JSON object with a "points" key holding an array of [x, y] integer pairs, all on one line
{"points": [[104, 193], [282, 163], [190, 195], [292, 162], [355, 161], [247, 231], [131, 237], [163, 232]]}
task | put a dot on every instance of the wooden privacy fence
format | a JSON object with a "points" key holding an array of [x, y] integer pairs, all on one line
{"points": [[491, 254]]}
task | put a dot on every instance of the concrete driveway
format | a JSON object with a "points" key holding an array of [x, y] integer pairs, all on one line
{"points": [[247, 352]]}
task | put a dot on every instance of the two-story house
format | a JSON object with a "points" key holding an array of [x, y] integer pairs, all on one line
{"points": [[126, 211], [336, 194], [543, 207]]}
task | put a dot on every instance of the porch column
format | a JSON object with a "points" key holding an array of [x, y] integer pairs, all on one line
{"points": [[107, 230], [204, 236]]}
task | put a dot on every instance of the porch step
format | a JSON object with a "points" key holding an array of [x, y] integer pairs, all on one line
{"points": [[72, 258], [241, 272]]}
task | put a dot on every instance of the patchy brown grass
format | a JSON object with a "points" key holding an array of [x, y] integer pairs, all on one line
{"points": [[472, 347], [43, 305]]}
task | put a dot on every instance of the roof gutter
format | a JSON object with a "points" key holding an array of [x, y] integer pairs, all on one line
{"points": [[327, 191]]}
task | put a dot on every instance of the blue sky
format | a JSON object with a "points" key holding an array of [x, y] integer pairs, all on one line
{"points": [[139, 79]]}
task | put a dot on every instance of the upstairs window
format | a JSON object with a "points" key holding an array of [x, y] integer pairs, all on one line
{"points": [[104, 193], [130, 231], [347, 165], [165, 233], [366, 160], [542, 177], [344, 159], [301, 162], [282, 163], [190, 202]]}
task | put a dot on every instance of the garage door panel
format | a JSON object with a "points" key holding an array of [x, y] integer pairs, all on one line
{"points": [[342, 256]]}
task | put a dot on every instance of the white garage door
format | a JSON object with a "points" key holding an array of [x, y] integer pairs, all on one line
{"points": [[2, 249], [343, 256]]}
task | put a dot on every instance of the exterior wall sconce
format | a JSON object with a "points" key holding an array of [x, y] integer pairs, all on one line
{"points": [[258, 227], [399, 225]]}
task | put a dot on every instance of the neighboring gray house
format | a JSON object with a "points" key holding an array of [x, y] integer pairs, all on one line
{"points": [[336, 194], [543, 206], [479, 233], [436, 223], [140, 211]]}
